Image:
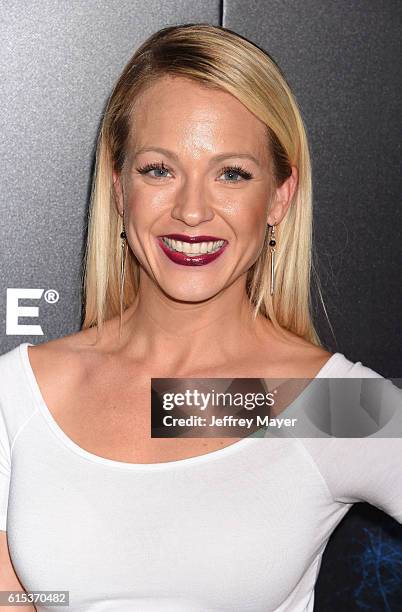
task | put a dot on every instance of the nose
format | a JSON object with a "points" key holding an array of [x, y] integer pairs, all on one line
{"points": [[192, 203]]}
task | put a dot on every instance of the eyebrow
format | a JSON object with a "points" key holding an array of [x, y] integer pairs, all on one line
{"points": [[215, 158]]}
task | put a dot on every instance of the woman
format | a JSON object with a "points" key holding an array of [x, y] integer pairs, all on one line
{"points": [[198, 265]]}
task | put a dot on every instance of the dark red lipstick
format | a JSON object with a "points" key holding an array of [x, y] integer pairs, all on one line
{"points": [[199, 259]]}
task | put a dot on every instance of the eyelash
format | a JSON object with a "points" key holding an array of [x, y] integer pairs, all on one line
{"points": [[161, 166]]}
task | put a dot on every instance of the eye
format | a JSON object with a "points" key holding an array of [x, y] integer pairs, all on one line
{"points": [[229, 170], [159, 166], [233, 170]]}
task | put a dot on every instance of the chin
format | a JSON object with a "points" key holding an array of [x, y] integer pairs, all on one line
{"points": [[188, 293]]}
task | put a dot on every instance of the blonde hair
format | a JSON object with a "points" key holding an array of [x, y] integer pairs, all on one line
{"points": [[222, 59]]}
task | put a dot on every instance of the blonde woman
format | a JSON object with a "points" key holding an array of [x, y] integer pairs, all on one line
{"points": [[197, 265]]}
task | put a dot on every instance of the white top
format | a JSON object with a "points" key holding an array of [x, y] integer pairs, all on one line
{"points": [[240, 529]]}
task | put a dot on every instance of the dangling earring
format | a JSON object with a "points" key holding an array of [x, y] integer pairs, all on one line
{"points": [[272, 244], [123, 237]]}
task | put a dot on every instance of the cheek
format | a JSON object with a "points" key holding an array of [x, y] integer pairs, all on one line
{"points": [[143, 212], [144, 206], [143, 199], [251, 230], [251, 221]]}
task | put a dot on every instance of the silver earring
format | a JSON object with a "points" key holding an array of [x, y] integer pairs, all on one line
{"points": [[272, 244]]}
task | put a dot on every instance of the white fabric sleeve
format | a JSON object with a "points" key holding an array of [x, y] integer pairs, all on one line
{"points": [[361, 469], [365, 469], [5, 470]]}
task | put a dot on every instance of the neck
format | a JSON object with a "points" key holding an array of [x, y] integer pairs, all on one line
{"points": [[186, 336]]}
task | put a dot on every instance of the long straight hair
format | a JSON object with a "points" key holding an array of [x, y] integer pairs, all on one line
{"points": [[222, 59]]}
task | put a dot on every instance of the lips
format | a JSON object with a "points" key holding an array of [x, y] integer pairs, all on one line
{"points": [[197, 259]]}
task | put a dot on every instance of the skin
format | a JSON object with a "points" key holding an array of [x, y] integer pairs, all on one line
{"points": [[194, 196]]}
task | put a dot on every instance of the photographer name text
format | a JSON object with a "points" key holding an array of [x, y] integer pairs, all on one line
{"points": [[227, 421]]}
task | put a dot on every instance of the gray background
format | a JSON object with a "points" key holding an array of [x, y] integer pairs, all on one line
{"points": [[59, 62]]}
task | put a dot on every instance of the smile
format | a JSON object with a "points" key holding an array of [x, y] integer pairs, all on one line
{"points": [[192, 250]]}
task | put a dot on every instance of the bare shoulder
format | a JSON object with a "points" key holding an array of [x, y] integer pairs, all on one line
{"points": [[74, 347], [60, 365], [311, 359], [79, 367], [294, 355], [61, 349]]}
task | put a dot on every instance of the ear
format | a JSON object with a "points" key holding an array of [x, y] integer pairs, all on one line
{"points": [[118, 188], [282, 198]]}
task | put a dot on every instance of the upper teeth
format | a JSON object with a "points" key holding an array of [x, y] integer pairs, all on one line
{"points": [[193, 248]]}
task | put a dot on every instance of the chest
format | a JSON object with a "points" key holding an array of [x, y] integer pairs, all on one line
{"points": [[108, 412], [239, 532], [115, 422]]}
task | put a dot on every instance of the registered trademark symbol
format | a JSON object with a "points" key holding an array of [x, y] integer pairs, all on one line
{"points": [[51, 296]]}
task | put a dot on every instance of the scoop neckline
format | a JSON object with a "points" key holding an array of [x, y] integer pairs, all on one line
{"points": [[159, 466]]}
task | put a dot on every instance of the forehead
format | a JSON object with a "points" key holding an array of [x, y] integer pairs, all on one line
{"points": [[183, 113]]}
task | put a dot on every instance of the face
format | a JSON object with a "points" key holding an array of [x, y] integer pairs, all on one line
{"points": [[196, 188]]}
